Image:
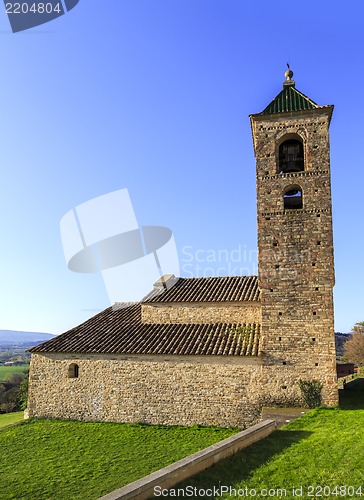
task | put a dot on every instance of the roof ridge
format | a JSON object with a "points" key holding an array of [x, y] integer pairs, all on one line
{"points": [[208, 290], [305, 96]]}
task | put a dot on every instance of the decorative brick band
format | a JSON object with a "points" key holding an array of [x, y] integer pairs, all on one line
{"points": [[309, 173], [296, 213], [189, 466]]}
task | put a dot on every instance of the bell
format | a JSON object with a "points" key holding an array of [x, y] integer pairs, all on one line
{"points": [[292, 166]]}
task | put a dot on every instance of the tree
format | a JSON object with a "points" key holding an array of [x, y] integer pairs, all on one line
{"points": [[14, 393], [359, 327], [354, 347], [23, 393]]}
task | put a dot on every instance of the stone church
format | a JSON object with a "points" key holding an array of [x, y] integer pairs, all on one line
{"points": [[213, 351]]}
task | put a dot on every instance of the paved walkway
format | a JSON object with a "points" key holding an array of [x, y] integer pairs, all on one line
{"points": [[282, 415]]}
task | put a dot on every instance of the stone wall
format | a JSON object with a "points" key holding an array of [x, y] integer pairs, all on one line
{"points": [[202, 313], [223, 391], [296, 264], [154, 389]]}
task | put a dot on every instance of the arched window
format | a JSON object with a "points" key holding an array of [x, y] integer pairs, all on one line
{"points": [[73, 370], [291, 156], [292, 198]]}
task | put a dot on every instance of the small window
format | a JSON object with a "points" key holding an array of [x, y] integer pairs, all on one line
{"points": [[292, 198], [73, 370]]}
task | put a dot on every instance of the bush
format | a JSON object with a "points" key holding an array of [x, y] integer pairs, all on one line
{"points": [[311, 392], [14, 393]]}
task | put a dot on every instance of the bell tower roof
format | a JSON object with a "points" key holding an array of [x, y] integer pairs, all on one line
{"points": [[290, 99]]}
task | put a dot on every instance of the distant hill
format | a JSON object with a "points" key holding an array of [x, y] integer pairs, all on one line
{"points": [[340, 339], [13, 338]]}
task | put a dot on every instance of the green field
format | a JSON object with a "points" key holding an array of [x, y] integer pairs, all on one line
{"points": [[322, 448], [7, 371], [52, 459], [11, 418]]}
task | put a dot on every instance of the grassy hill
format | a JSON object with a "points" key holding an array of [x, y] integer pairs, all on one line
{"points": [[322, 448], [45, 459], [52, 459], [11, 418]]}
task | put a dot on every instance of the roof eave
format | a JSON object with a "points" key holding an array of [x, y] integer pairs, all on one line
{"points": [[235, 303], [292, 114]]}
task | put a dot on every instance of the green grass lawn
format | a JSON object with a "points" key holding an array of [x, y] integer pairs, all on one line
{"points": [[11, 418], [6, 371], [325, 447], [352, 398], [52, 459]]}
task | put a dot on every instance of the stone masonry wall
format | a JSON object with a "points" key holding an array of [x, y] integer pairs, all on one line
{"points": [[224, 391], [296, 265], [202, 313]]}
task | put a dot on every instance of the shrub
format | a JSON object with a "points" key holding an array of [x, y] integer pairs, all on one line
{"points": [[14, 393], [311, 392]]}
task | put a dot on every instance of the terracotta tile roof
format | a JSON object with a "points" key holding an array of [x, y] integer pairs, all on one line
{"points": [[120, 331], [218, 289]]}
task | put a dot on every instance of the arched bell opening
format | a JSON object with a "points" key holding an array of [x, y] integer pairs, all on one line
{"points": [[291, 156]]}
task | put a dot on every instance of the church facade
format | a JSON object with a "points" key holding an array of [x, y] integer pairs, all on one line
{"points": [[213, 351]]}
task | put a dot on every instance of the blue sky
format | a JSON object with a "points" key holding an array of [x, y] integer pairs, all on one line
{"points": [[154, 96]]}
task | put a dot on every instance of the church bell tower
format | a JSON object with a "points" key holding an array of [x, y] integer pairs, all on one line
{"points": [[295, 239]]}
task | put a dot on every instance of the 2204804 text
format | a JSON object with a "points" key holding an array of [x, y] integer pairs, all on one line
{"points": [[33, 8]]}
